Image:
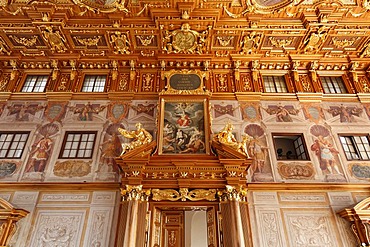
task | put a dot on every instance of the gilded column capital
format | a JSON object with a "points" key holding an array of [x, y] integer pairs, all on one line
{"points": [[231, 193], [135, 193]]}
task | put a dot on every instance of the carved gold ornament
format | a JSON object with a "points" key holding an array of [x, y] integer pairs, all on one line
{"points": [[185, 40], [315, 39], [4, 47], [184, 194], [225, 40], [9, 218], [89, 41], [121, 43], [281, 42], [145, 40], [250, 43], [264, 7], [55, 39], [28, 42], [226, 137], [341, 43]]}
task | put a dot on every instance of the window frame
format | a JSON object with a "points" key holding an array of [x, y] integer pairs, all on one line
{"points": [[336, 88], [304, 144], [11, 143], [355, 145], [38, 76], [63, 147], [95, 76], [274, 77]]}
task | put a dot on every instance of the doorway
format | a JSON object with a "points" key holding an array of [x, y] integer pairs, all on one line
{"points": [[183, 225]]}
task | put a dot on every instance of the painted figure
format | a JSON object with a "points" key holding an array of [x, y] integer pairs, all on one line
{"points": [[40, 154], [326, 154], [258, 153], [140, 136], [345, 113], [111, 149], [194, 146]]}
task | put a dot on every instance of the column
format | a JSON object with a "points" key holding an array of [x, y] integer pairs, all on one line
{"points": [[234, 220], [132, 217]]}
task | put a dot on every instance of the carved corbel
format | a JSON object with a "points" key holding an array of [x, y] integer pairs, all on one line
{"points": [[14, 72], [255, 72], [55, 71], [313, 67], [132, 70], [236, 70], [354, 74], [72, 63], [295, 71], [114, 70]]}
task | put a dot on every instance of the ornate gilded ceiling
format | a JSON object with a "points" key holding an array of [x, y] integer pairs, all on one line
{"points": [[186, 34]]}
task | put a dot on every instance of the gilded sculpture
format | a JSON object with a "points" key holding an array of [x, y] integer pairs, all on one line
{"points": [[250, 43], [226, 137], [316, 39], [55, 39], [140, 137]]}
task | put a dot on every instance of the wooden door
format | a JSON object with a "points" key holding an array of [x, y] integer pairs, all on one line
{"points": [[173, 229]]}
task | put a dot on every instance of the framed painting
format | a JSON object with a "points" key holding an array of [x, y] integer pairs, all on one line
{"points": [[183, 127]]}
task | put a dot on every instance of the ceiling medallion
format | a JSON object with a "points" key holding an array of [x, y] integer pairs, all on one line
{"points": [[185, 40], [264, 6], [103, 5]]}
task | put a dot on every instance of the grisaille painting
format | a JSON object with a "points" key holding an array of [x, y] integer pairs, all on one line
{"points": [[183, 128]]}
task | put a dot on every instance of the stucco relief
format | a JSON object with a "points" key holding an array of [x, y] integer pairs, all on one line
{"points": [[99, 234], [270, 226], [62, 229], [310, 230]]}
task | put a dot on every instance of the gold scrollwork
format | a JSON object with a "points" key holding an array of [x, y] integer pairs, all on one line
{"points": [[88, 41], [24, 41], [184, 194], [145, 40]]}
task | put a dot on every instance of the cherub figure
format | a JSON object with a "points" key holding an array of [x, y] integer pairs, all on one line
{"points": [[140, 136], [282, 113], [23, 111], [225, 136], [86, 111], [345, 113]]}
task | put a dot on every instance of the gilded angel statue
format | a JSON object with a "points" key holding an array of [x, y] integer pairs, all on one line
{"points": [[140, 136]]}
